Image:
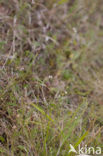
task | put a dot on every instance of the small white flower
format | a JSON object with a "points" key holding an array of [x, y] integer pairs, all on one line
{"points": [[75, 30], [50, 76], [65, 92]]}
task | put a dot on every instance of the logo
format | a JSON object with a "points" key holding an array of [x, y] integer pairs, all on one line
{"points": [[72, 149], [85, 151]]}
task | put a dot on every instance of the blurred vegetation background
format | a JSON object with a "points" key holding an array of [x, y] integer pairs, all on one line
{"points": [[51, 72]]}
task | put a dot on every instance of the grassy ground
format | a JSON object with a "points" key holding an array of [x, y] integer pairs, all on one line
{"points": [[51, 72]]}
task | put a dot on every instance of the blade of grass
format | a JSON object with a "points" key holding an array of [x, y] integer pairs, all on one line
{"points": [[42, 112]]}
